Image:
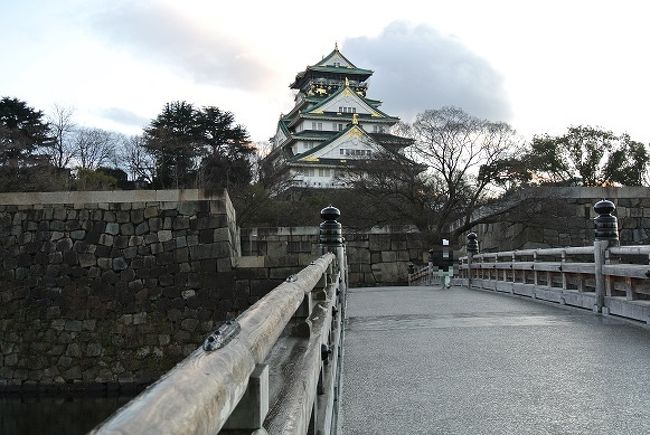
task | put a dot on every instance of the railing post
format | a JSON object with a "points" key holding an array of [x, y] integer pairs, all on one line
{"points": [[430, 263], [563, 262], [606, 234], [331, 240], [472, 248], [253, 407], [514, 273]]}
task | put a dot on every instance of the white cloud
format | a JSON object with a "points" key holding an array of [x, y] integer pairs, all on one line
{"points": [[160, 33], [417, 68]]}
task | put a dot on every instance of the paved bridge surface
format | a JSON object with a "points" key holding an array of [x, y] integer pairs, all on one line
{"points": [[423, 360]]}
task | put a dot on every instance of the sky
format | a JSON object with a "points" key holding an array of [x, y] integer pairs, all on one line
{"points": [[539, 65]]}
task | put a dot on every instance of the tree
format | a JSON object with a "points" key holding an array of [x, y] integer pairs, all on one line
{"points": [[62, 129], [172, 138], [94, 147], [228, 152], [463, 154], [394, 191], [137, 159], [587, 156], [183, 139], [88, 179], [23, 131], [628, 165]]}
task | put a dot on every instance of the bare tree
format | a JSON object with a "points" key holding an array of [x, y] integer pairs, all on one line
{"points": [[136, 158], [94, 147], [464, 152], [62, 149]]}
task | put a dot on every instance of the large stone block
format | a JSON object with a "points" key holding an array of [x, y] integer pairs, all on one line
{"points": [[112, 228], [181, 223], [222, 234], [402, 255], [379, 242], [87, 260], [188, 208], [276, 249], [105, 240], [249, 261], [361, 255], [164, 235]]}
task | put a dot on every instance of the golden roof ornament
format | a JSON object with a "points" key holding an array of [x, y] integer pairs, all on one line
{"points": [[336, 45], [355, 119], [347, 83]]}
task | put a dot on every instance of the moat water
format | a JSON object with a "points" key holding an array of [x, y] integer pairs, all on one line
{"points": [[29, 415]]}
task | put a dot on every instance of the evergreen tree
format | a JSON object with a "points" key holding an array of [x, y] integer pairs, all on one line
{"points": [[172, 140], [183, 139], [587, 156], [227, 149], [22, 133]]}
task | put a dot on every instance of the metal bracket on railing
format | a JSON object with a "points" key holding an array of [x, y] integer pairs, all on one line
{"points": [[222, 336]]}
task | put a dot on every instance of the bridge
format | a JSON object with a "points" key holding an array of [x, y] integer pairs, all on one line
{"points": [[532, 341]]}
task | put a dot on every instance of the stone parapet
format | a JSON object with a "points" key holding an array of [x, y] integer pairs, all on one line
{"points": [[559, 216], [111, 287], [378, 256]]}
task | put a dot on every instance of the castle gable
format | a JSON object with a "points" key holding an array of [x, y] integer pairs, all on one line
{"points": [[346, 101], [351, 144], [335, 59]]}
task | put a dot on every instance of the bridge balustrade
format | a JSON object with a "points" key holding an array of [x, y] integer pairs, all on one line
{"points": [[275, 368], [606, 278], [550, 275]]}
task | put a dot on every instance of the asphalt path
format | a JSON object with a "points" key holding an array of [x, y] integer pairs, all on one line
{"points": [[425, 360]]}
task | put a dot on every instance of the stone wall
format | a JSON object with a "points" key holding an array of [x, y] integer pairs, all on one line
{"points": [[556, 217], [379, 256], [112, 287]]}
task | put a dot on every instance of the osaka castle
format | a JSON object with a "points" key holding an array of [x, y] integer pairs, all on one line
{"points": [[332, 126]]}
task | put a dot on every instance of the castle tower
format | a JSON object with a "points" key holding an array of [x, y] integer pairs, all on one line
{"points": [[332, 126]]}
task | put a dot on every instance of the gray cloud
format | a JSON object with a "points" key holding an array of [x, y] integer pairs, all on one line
{"points": [[125, 117], [159, 33], [417, 68]]}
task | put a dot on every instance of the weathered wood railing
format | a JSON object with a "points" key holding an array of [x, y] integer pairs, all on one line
{"points": [[592, 277], [278, 373], [423, 276]]}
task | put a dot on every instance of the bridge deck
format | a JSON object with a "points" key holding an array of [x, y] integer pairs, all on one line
{"points": [[422, 360]]}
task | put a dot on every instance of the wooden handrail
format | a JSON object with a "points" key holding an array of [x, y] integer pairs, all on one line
{"points": [[540, 252], [200, 393], [525, 272]]}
